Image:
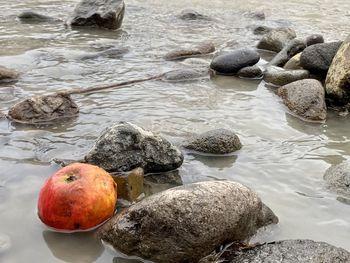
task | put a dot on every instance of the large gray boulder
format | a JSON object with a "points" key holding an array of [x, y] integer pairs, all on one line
{"points": [[218, 141], [338, 76], [101, 13], [293, 251], [276, 39], [279, 77], [306, 99], [231, 62], [292, 48], [317, 58], [337, 178], [125, 146], [185, 223]]}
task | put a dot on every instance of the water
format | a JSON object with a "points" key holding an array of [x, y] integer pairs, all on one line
{"points": [[283, 158]]}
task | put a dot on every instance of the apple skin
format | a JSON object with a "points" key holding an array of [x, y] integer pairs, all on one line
{"points": [[78, 197]]}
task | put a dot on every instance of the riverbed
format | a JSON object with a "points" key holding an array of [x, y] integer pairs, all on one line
{"points": [[283, 158]]}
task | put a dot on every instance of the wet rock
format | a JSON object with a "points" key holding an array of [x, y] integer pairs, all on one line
{"points": [[202, 49], [101, 13], [293, 63], [338, 76], [279, 77], [314, 39], [129, 184], [305, 98], [261, 30], [258, 15], [33, 17], [292, 48], [292, 251], [219, 141], [231, 62], [185, 223], [7, 74], [276, 39], [125, 146], [186, 74], [41, 109], [250, 72], [189, 14], [317, 58], [337, 178]]}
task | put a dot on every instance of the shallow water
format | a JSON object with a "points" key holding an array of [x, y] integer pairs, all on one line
{"points": [[283, 158]]}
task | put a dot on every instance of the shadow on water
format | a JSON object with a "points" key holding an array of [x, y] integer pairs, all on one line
{"points": [[214, 161], [158, 182], [74, 247]]}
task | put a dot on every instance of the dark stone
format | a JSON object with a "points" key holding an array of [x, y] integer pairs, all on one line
{"points": [[314, 39], [42, 109], [125, 146], [7, 74], [101, 13], [337, 178], [292, 48], [261, 30], [317, 58], [185, 223], [30, 16], [186, 74], [305, 98], [251, 72], [230, 63], [279, 77], [293, 251], [276, 39], [190, 14], [219, 141], [202, 49]]}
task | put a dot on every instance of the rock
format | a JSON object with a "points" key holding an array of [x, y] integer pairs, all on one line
{"points": [[42, 109], [101, 13], [292, 48], [250, 72], [305, 98], [202, 49], [125, 146], [258, 15], [129, 184], [293, 251], [338, 77], [185, 223], [33, 17], [293, 63], [7, 74], [276, 39], [314, 39], [338, 178], [189, 14], [317, 58], [261, 30], [279, 77], [219, 141], [155, 183], [230, 63], [186, 74]]}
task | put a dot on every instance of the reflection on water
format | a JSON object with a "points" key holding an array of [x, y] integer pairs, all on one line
{"points": [[283, 158]]}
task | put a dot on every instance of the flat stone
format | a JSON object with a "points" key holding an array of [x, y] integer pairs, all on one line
{"points": [[186, 74], [279, 77], [276, 39], [199, 50], [305, 98], [129, 184]]}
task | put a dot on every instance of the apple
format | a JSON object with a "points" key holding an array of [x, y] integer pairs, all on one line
{"points": [[77, 197]]}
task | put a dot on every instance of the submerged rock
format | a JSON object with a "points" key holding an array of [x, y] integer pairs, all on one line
{"points": [[158, 182], [338, 77], [261, 30], [186, 74], [292, 48], [125, 146], [101, 13], [33, 17], [317, 58], [41, 109], [293, 251], [185, 223], [7, 74], [305, 98], [231, 62], [219, 141], [129, 184], [338, 178], [314, 39], [202, 49], [276, 39], [279, 77], [189, 14], [293, 63], [250, 72]]}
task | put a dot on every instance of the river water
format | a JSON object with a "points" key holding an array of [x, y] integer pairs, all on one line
{"points": [[283, 158]]}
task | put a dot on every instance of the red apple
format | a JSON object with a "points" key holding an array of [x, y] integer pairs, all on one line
{"points": [[77, 197]]}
